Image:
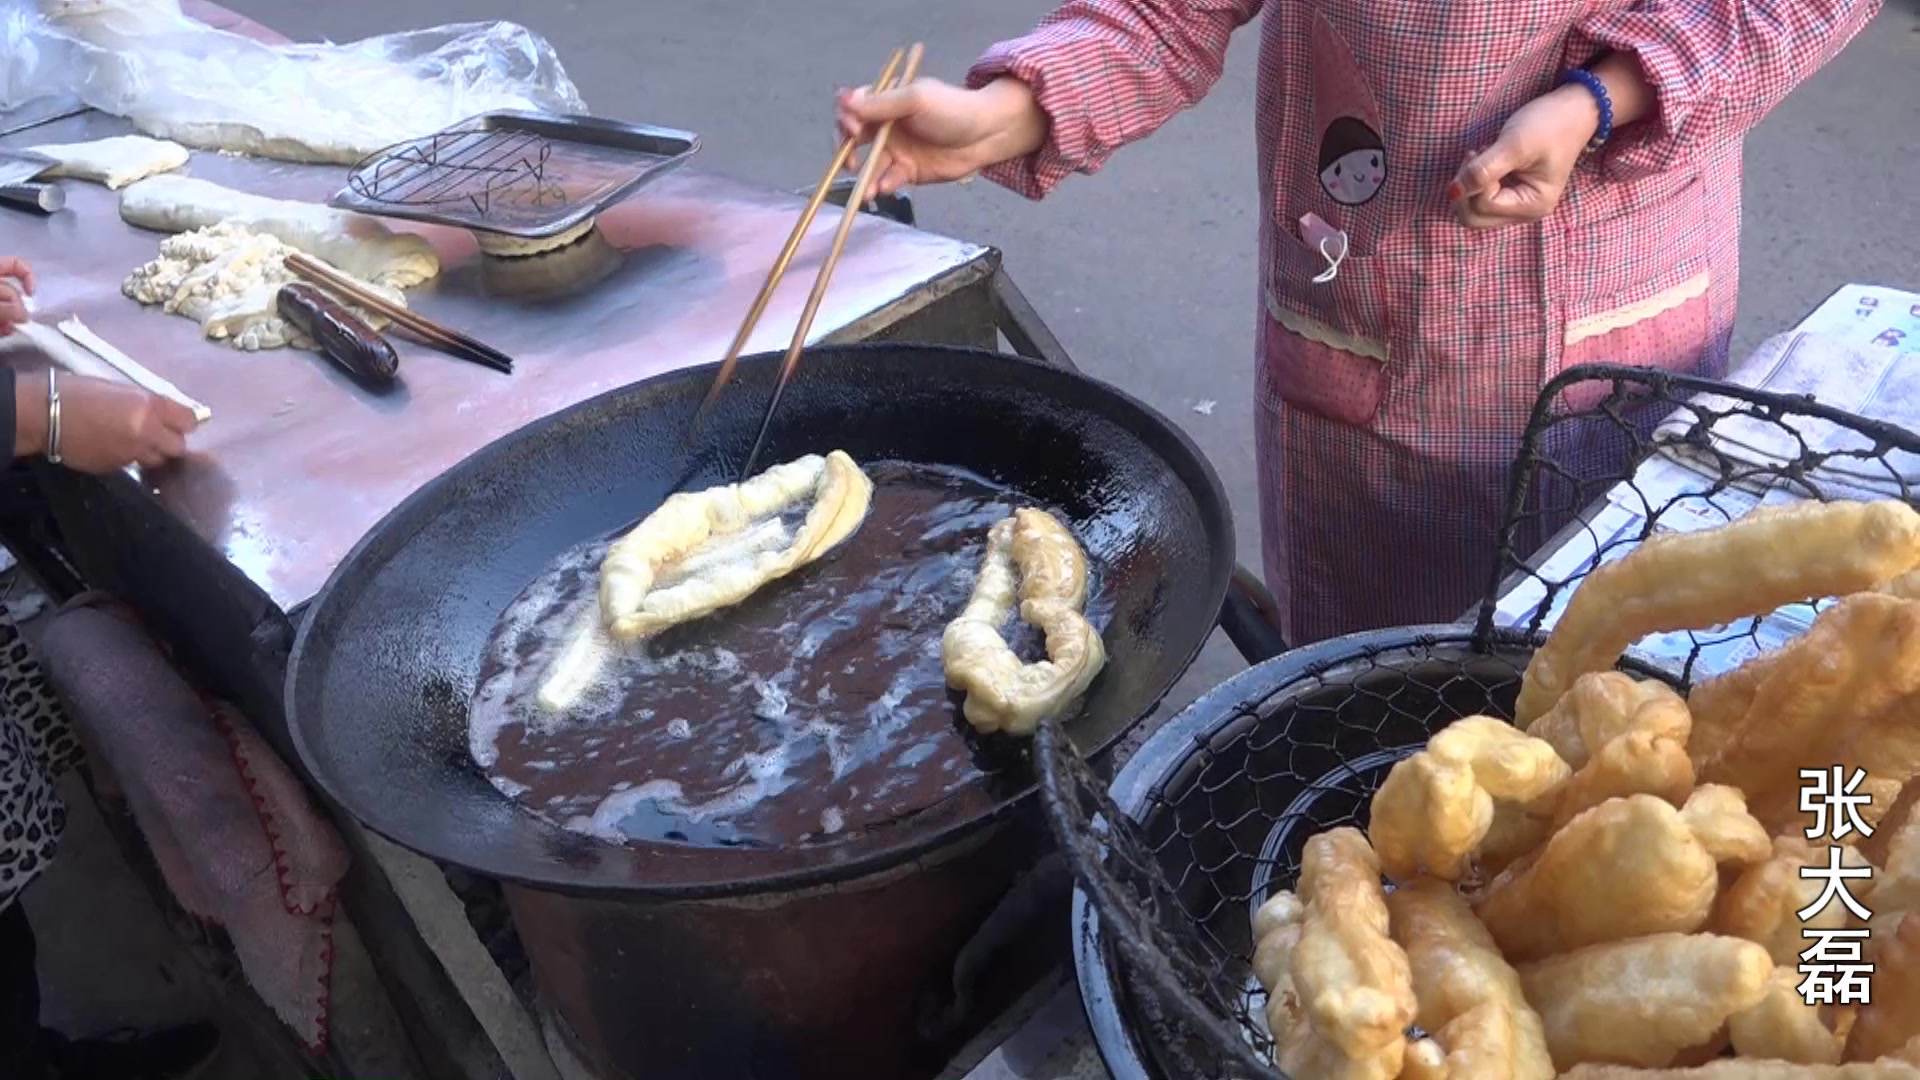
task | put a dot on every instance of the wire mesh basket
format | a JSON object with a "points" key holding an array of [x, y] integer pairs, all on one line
{"points": [[1211, 815]]}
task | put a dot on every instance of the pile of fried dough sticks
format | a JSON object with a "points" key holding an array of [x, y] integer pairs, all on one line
{"points": [[1628, 884]]}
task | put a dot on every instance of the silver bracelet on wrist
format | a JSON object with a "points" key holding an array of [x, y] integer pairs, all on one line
{"points": [[53, 417]]}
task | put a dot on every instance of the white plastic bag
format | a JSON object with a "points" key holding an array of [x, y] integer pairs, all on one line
{"points": [[177, 78]]}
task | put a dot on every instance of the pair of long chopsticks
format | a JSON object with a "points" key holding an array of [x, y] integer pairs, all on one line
{"points": [[855, 201], [440, 337]]}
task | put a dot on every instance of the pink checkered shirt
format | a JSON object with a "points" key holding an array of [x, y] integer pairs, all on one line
{"points": [[1391, 399]]}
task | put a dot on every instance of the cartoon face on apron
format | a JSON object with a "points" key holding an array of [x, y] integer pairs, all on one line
{"points": [[1400, 352]]}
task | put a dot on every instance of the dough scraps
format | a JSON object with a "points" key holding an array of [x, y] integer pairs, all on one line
{"points": [[1032, 559], [227, 278], [358, 246], [115, 162]]}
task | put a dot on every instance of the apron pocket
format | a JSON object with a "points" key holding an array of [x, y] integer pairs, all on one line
{"points": [[1301, 368], [1307, 361]]}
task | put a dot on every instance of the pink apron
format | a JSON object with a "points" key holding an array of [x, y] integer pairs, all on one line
{"points": [[1393, 387]]}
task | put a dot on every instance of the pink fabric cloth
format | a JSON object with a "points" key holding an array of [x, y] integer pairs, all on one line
{"points": [[1390, 400], [231, 829]]}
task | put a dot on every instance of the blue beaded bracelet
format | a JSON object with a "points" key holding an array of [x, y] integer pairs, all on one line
{"points": [[1599, 91]]}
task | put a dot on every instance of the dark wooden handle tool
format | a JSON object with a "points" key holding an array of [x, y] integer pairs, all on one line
{"points": [[343, 337], [36, 198]]}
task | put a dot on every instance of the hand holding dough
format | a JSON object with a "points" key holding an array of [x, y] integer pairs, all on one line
{"points": [[1435, 807], [1685, 581], [1033, 560]]}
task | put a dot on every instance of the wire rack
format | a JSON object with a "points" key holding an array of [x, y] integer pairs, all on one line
{"points": [[1298, 745], [471, 167]]}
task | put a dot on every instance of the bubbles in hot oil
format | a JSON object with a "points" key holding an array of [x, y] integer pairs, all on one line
{"points": [[820, 704]]}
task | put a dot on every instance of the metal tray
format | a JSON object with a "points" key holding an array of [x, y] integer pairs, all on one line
{"points": [[520, 174]]}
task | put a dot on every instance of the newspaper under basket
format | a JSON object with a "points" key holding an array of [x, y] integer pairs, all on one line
{"points": [[1210, 815]]}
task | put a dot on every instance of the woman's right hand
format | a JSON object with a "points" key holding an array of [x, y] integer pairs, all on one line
{"points": [[104, 425], [943, 132]]}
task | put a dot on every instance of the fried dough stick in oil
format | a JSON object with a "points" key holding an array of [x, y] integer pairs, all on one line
{"points": [[1684, 581], [635, 596], [1031, 560], [1469, 997]]}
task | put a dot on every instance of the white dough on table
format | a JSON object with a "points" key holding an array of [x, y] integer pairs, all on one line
{"points": [[115, 162], [228, 279], [358, 246]]}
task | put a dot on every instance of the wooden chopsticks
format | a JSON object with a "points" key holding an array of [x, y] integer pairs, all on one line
{"points": [[449, 341], [855, 201]]}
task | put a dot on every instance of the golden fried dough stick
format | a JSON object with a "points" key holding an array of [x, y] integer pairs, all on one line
{"points": [[1762, 904], [1839, 694], [641, 593], [1298, 1047], [1783, 1027], [1622, 737], [1352, 980], [1906, 586], [1435, 807], [1032, 559], [1602, 706], [1895, 821], [1717, 816], [1688, 581], [1426, 1061], [1643, 1001], [1892, 1018], [1469, 997], [1623, 869], [1746, 1069]]}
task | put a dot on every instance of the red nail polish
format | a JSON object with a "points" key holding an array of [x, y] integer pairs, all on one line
{"points": [[1455, 192]]}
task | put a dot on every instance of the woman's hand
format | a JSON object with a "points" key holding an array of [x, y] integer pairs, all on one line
{"points": [[943, 132], [1522, 176], [16, 284], [104, 426]]}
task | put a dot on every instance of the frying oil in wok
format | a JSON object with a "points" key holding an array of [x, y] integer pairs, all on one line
{"points": [[812, 711]]}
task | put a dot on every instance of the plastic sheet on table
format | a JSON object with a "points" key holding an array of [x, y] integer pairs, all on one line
{"points": [[177, 78]]}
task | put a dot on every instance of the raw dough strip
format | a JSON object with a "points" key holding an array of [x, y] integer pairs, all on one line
{"points": [[1690, 581], [643, 591], [115, 162], [1031, 558]]}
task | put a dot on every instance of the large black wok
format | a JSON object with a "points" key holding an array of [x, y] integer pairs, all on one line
{"points": [[677, 961], [384, 665]]}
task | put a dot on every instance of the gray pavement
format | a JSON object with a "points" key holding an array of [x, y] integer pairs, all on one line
{"points": [[1146, 272]]}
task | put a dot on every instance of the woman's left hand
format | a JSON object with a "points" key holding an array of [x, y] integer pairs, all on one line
{"points": [[1522, 176]]}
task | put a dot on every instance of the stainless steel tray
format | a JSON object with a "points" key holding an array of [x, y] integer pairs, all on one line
{"points": [[515, 173]]}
